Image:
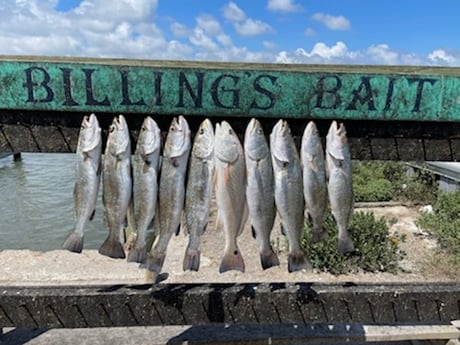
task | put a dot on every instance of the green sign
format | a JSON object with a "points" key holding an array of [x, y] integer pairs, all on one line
{"points": [[210, 89]]}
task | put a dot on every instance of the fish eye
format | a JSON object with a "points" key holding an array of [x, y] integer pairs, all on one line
{"points": [[201, 131], [143, 129], [111, 128], [230, 131], [259, 131]]}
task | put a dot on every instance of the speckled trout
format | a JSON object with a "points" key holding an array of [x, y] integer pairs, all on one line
{"points": [[260, 189], [88, 176], [340, 184], [145, 185], [171, 190], [116, 186], [289, 192], [314, 179], [230, 194], [198, 193]]}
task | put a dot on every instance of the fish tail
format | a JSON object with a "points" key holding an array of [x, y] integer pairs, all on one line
{"points": [[138, 255], [191, 260], [269, 259], [112, 248], [297, 262], [319, 234], [232, 260], [345, 244], [74, 242], [155, 262]]}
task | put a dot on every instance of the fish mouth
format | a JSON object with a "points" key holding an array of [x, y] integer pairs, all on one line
{"points": [[311, 128]]}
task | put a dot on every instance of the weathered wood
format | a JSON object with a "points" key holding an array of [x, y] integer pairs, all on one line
{"points": [[230, 89], [182, 304], [24, 131]]}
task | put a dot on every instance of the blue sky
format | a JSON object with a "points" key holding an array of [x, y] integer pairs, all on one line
{"points": [[423, 32]]}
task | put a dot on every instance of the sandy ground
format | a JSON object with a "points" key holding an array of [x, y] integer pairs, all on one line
{"points": [[24, 267]]}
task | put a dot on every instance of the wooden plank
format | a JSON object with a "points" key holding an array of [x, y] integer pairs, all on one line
{"points": [[181, 304], [230, 89]]}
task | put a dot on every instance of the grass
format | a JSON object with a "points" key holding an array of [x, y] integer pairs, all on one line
{"points": [[375, 249]]}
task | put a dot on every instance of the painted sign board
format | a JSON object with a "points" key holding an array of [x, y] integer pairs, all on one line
{"points": [[230, 89]]}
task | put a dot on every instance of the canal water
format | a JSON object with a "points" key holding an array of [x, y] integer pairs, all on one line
{"points": [[36, 203]]}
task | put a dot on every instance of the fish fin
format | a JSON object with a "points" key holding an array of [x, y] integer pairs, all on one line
{"points": [[146, 166], [313, 162], [297, 262], [74, 242], [227, 174], [138, 255], [244, 218], [91, 217], [253, 232], [155, 261], [112, 248], [336, 153], [191, 260], [283, 232], [232, 260], [269, 259]]}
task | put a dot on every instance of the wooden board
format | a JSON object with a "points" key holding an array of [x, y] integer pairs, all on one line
{"points": [[186, 304], [230, 89]]}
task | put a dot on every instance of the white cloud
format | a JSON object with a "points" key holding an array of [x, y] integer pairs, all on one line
{"points": [[269, 45], [209, 24], [243, 25], [440, 56], [382, 53], [233, 13], [309, 32], [332, 22], [179, 30], [251, 27], [283, 6]]}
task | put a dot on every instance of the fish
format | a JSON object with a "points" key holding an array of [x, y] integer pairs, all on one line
{"points": [[116, 186], [145, 185], [314, 180], [340, 183], [230, 193], [260, 189], [289, 199], [171, 190], [198, 193], [88, 177]]}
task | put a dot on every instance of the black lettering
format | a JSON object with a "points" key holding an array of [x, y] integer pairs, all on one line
{"points": [[389, 99], [125, 91], [268, 94], [30, 84], [420, 83], [333, 92], [368, 96], [69, 101], [216, 88], [197, 97], [158, 76], [90, 100]]}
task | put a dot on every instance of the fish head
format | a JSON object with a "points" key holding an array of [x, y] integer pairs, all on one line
{"points": [[311, 129], [178, 140], [203, 145], [227, 144], [90, 134], [149, 139], [118, 141], [336, 141], [281, 142], [255, 143], [311, 141]]}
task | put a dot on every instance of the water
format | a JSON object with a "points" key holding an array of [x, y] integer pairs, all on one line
{"points": [[36, 203]]}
